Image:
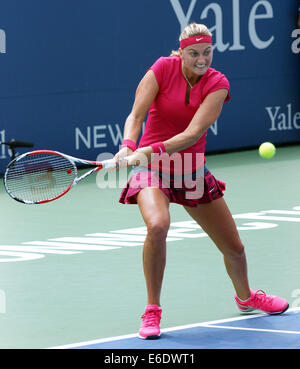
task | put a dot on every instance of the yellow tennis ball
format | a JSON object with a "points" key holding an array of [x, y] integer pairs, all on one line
{"points": [[267, 150]]}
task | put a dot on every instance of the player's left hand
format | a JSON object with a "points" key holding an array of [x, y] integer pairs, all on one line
{"points": [[141, 156]]}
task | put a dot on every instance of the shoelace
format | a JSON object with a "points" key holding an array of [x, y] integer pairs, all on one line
{"points": [[150, 318], [260, 297]]}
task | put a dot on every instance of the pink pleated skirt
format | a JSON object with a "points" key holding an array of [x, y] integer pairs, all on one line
{"points": [[198, 188]]}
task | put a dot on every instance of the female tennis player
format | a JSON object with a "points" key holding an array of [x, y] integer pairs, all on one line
{"points": [[183, 96]]}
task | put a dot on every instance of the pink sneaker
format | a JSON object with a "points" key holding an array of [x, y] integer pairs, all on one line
{"points": [[150, 326], [260, 301]]}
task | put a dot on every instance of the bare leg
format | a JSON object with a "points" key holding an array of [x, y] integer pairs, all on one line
{"points": [[154, 207], [216, 220]]}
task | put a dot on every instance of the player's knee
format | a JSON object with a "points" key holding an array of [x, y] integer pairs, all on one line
{"points": [[158, 228]]}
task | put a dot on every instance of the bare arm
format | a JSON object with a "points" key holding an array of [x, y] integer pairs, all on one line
{"points": [[205, 116], [145, 95]]}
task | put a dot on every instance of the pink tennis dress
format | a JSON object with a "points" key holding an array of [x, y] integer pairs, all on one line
{"points": [[169, 115]]}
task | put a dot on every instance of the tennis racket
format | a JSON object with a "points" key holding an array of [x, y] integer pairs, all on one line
{"points": [[41, 176]]}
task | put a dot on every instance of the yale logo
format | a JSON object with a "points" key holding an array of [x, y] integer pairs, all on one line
{"points": [[283, 118], [261, 10]]}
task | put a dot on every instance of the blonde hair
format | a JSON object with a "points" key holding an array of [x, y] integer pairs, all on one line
{"points": [[192, 29]]}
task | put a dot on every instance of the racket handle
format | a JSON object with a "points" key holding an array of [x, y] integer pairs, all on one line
{"points": [[111, 163]]}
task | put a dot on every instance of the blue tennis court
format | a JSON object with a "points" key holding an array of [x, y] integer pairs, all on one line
{"points": [[258, 331]]}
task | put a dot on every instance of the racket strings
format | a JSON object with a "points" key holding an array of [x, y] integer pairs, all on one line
{"points": [[39, 177]]}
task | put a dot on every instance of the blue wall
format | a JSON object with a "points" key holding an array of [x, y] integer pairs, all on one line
{"points": [[69, 69]]}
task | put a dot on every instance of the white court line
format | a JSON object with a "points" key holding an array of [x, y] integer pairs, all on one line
{"points": [[251, 329], [210, 324]]}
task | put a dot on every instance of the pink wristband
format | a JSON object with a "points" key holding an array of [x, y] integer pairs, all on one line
{"points": [[130, 144], [158, 148]]}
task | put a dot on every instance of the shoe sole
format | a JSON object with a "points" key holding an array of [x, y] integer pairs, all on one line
{"points": [[153, 337], [251, 310], [280, 312]]}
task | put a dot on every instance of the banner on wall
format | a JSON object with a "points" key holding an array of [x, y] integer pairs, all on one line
{"points": [[69, 70]]}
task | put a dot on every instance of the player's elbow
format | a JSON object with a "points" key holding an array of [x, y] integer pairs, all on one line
{"points": [[192, 136], [135, 118]]}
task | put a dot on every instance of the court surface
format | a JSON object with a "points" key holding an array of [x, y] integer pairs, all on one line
{"points": [[71, 270], [252, 332]]}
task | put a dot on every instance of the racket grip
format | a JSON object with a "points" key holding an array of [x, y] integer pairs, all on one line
{"points": [[111, 163]]}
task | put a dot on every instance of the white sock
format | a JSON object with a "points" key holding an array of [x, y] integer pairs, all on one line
{"points": [[244, 300]]}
